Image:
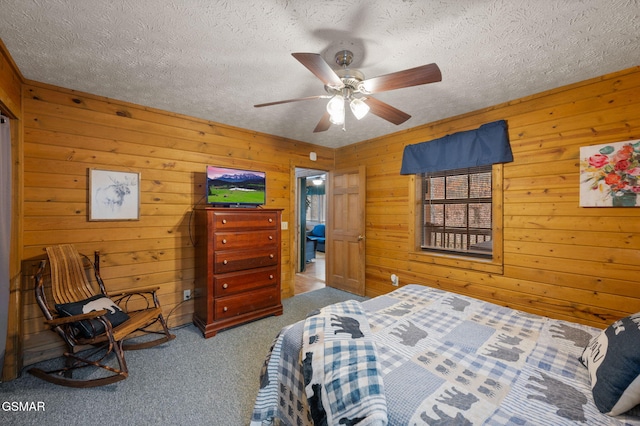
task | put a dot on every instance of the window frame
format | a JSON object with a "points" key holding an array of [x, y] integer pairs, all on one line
{"points": [[316, 211], [462, 234], [452, 259]]}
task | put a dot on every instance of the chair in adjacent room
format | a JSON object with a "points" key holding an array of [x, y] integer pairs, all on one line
{"points": [[94, 324], [317, 234]]}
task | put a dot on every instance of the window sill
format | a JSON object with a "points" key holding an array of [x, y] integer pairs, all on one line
{"points": [[461, 262]]}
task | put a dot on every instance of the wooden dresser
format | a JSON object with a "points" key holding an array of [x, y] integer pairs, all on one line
{"points": [[237, 266]]}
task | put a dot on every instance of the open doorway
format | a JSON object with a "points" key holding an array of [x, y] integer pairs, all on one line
{"points": [[311, 214]]}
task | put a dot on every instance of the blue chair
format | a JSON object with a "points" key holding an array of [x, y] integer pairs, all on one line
{"points": [[317, 235]]}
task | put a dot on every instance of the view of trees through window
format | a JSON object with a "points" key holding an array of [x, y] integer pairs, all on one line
{"points": [[456, 213]]}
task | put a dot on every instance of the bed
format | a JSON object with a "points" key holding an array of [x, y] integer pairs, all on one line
{"points": [[423, 356]]}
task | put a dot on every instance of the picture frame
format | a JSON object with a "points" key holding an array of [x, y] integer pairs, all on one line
{"points": [[610, 174], [114, 195]]}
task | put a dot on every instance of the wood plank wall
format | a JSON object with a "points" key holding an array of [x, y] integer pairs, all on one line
{"points": [[67, 133], [560, 260]]}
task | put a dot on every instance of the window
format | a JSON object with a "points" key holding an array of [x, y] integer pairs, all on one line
{"points": [[457, 211], [316, 199]]}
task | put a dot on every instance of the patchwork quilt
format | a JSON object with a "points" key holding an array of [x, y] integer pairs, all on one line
{"points": [[342, 377], [441, 359]]}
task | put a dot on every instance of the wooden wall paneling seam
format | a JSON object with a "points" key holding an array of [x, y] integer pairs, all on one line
{"points": [[595, 238]]}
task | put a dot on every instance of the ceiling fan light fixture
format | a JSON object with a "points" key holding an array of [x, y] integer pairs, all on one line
{"points": [[336, 105], [348, 84], [359, 108], [335, 108], [337, 119]]}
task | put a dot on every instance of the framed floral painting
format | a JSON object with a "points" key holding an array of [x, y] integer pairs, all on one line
{"points": [[610, 175]]}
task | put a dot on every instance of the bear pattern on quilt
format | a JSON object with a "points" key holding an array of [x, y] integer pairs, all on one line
{"points": [[468, 358], [445, 358], [340, 369]]}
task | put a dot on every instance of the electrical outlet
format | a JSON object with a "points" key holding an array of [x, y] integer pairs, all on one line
{"points": [[186, 295], [395, 280]]}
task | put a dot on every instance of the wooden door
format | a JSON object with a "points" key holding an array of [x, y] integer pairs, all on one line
{"points": [[345, 246]]}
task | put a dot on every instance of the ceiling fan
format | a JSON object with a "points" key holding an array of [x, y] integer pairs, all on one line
{"points": [[349, 86]]}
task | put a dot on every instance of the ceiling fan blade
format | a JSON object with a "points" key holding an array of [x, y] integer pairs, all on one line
{"points": [[386, 111], [397, 80], [323, 124], [292, 100], [320, 68]]}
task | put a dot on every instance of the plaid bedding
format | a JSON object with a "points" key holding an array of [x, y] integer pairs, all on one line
{"points": [[340, 367], [445, 358]]}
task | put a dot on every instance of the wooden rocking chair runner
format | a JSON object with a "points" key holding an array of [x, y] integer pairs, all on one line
{"points": [[79, 309]]}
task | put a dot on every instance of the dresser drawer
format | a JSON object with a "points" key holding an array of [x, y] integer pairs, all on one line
{"points": [[243, 240], [249, 220], [230, 261], [229, 307], [238, 282]]}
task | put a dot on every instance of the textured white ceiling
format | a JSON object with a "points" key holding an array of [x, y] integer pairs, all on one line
{"points": [[215, 59]]}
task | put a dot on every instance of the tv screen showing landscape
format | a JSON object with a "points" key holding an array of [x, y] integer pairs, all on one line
{"points": [[235, 186]]}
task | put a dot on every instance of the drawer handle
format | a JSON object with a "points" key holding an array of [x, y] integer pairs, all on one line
{"points": [[224, 262], [225, 309], [225, 285], [224, 221], [271, 256], [270, 237], [224, 241], [270, 220], [270, 277]]}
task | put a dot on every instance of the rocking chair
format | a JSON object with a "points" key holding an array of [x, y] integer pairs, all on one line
{"points": [[92, 322]]}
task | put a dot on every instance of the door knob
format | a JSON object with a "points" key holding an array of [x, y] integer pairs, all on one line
{"points": [[360, 237]]}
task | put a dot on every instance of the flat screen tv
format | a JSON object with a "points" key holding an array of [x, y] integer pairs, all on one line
{"points": [[235, 187]]}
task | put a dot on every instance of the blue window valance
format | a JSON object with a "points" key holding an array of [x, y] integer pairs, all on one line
{"points": [[489, 144]]}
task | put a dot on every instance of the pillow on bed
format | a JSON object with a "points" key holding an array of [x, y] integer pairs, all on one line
{"points": [[613, 361], [91, 328]]}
